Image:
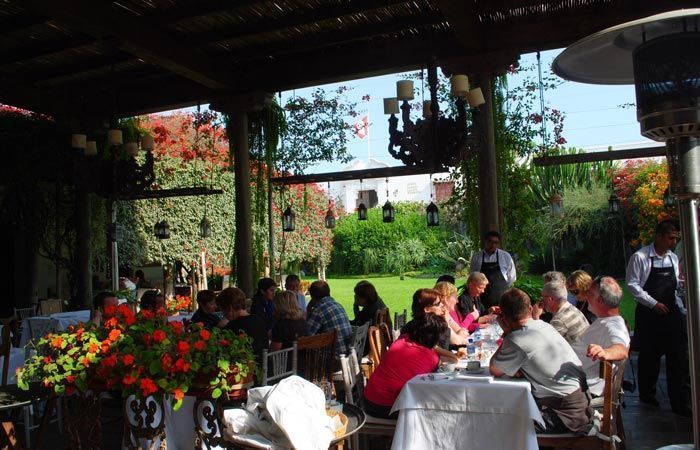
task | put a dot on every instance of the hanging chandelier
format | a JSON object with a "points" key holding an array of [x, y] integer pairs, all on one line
{"points": [[288, 219], [162, 230], [436, 141], [388, 208], [361, 209], [330, 216], [431, 212], [204, 228]]}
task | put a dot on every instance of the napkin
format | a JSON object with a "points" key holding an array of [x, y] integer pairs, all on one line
{"points": [[474, 378]]}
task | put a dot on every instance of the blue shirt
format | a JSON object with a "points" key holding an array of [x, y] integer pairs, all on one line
{"points": [[328, 315]]}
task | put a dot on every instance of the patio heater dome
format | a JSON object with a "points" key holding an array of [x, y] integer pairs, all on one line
{"points": [[659, 55]]}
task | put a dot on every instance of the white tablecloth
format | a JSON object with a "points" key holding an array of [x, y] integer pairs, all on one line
{"points": [[453, 413], [16, 361], [61, 320]]}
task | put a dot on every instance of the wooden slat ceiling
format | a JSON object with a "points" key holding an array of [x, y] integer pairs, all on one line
{"points": [[134, 56]]}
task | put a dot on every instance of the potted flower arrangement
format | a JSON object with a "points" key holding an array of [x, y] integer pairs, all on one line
{"points": [[141, 355], [177, 304]]}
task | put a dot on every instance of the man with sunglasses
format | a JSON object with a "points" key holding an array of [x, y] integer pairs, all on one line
{"points": [[498, 267], [660, 324]]}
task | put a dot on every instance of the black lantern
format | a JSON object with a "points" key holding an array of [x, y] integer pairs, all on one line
{"points": [[669, 201], [362, 212], [388, 212], [288, 219], [432, 215], [613, 204], [204, 228], [556, 206], [162, 230], [330, 219]]}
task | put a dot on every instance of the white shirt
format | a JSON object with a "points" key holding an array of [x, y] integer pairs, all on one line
{"points": [[639, 268], [505, 262], [605, 332]]}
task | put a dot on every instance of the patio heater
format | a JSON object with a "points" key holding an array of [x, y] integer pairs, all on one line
{"points": [[659, 55]]}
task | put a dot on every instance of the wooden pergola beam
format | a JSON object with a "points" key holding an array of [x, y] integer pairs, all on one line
{"points": [[41, 49], [364, 174], [16, 23], [175, 192], [136, 36], [611, 155]]}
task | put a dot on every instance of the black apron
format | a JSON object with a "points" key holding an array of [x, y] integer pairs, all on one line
{"points": [[497, 282], [653, 330]]}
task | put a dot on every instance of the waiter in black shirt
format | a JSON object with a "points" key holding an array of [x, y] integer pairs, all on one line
{"points": [[497, 265]]}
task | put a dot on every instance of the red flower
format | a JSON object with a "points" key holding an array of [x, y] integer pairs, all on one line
{"points": [[177, 327], [114, 335], [182, 348], [178, 394], [128, 380], [148, 387], [166, 361], [223, 342], [111, 323], [199, 345], [47, 360], [110, 361], [159, 336], [128, 360], [70, 390], [85, 361], [110, 311], [146, 314], [204, 334], [79, 333], [70, 378], [181, 365]]}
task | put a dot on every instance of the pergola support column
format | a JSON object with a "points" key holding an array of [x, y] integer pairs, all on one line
{"points": [[487, 173], [82, 246]]}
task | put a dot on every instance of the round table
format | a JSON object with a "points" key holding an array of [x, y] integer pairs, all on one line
{"points": [[12, 397], [356, 420]]}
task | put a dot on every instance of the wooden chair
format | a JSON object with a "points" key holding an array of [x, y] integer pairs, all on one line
{"points": [[276, 364], [24, 313], [400, 320], [359, 339], [316, 355], [10, 335], [611, 433], [50, 306], [353, 384], [379, 343], [40, 327], [381, 316]]}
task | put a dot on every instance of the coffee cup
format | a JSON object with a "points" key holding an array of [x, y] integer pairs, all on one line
{"points": [[473, 365]]}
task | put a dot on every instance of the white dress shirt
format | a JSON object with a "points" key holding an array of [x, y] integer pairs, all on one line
{"points": [[505, 262], [639, 268]]}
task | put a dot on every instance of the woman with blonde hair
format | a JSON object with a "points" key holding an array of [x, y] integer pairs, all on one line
{"points": [[289, 324], [578, 284], [448, 294]]}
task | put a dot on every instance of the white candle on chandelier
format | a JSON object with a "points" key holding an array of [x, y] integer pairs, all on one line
{"points": [[426, 109], [475, 98], [131, 148], [114, 137], [391, 105], [459, 85], [147, 142], [78, 140], [404, 90], [90, 148]]}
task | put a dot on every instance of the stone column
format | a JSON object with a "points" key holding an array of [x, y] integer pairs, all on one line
{"points": [[487, 173]]}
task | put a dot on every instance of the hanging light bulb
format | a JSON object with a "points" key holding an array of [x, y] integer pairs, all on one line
{"points": [[388, 208], [330, 216], [288, 219], [361, 209], [204, 228], [431, 211]]}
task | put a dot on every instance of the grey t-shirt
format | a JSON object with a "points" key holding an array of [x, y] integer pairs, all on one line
{"points": [[543, 356]]}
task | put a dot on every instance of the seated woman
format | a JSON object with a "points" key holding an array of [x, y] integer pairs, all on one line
{"points": [[470, 301], [366, 297], [456, 321], [413, 353], [289, 323], [231, 302], [102, 301], [579, 283], [152, 301], [205, 313]]}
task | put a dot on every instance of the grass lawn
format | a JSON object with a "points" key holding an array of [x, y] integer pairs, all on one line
{"points": [[397, 294]]}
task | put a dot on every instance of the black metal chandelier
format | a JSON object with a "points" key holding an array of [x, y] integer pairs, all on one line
{"points": [[435, 141], [329, 220], [388, 208]]}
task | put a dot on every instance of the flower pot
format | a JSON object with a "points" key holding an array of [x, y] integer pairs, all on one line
{"points": [[202, 388]]}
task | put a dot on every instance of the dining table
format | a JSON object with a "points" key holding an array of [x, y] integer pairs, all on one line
{"points": [[465, 409]]}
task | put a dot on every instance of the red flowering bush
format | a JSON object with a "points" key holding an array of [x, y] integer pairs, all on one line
{"points": [[141, 355], [180, 303]]}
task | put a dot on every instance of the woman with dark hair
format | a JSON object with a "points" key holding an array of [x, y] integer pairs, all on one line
{"points": [[366, 297], [206, 300], [231, 302], [411, 354], [152, 300]]}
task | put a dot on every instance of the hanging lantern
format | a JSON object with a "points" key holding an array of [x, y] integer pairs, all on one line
{"points": [[388, 212], [362, 212], [432, 215], [288, 219], [204, 228], [556, 206], [613, 204], [330, 219], [669, 201], [162, 230]]}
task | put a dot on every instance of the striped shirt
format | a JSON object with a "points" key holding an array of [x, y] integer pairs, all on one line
{"points": [[569, 322]]}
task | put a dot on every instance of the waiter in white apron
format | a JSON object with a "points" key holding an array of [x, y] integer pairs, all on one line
{"points": [[497, 265], [659, 321]]}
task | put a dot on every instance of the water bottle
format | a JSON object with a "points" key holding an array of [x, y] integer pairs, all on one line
{"points": [[471, 349], [477, 334]]}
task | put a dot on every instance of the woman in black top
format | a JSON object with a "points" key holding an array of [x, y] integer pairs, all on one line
{"points": [[366, 297], [289, 324], [231, 302]]}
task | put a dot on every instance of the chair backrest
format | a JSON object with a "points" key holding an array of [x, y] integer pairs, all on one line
{"points": [[352, 377], [50, 306], [40, 327], [23, 313], [613, 374], [316, 355], [9, 331], [276, 365], [400, 320], [378, 343], [381, 316], [359, 339]]}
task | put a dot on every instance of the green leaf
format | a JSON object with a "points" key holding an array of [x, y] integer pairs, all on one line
{"points": [[216, 393], [155, 366]]}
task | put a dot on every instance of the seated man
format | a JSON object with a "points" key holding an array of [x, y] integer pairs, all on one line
{"points": [[607, 339], [102, 301], [205, 313], [325, 314], [533, 349], [231, 302], [566, 318], [153, 301]]}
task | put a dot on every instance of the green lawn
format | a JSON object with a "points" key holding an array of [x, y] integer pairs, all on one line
{"points": [[397, 294]]}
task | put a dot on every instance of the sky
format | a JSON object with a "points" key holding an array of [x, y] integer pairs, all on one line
{"points": [[595, 115]]}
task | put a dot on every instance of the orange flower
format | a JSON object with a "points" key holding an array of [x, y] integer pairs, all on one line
{"points": [[114, 335], [85, 361], [57, 342], [93, 348], [178, 394]]}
